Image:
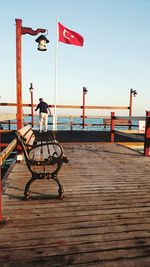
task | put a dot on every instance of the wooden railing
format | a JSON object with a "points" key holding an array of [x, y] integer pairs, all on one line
{"points": [[69, 124], [72, 107], [3, 156], [6, 152], [114, 121]]}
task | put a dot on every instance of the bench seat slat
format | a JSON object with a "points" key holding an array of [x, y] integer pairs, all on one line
{"points": [[51, 149], [57, 150], [45, 151], [41, 152], [37, 153]]}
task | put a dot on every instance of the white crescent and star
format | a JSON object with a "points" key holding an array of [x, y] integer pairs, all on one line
{"points": [[67, 34]]}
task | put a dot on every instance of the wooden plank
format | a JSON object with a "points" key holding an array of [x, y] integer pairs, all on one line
{"points": [[38, 152], [45, 152], [104, 219], [55, 149]]}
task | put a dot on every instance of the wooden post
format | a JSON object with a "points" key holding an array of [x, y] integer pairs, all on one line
{"points": [[19, 114], [0, 186], [83, 110], [147, 135], [112, 128], [83, 107], [71, 123], [0, 197], [19, 31], [9, 123], [130, 109], [32, 112]]}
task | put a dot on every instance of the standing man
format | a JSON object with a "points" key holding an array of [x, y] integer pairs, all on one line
{"points": [[43, 114]]}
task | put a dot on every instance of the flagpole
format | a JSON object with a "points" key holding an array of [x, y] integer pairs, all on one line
{"points": [[55, 81]]}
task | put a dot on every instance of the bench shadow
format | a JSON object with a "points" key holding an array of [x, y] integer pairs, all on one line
{"points": [[44, 197], [33, 195], [38, 196]]}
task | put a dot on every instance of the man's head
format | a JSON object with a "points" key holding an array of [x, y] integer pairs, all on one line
{"points": [[40, 99]]}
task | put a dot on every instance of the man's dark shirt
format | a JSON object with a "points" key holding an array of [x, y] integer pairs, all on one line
{"points": [[43, 107]]}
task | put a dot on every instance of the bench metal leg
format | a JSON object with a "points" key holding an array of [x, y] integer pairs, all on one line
{"points": [[60, 189], [38, 177], [26, 191]]}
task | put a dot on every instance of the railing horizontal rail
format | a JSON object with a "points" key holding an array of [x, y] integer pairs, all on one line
{"points": [[130, 118], [71, 106], [6, 131], [6, 152], [72, 123]]}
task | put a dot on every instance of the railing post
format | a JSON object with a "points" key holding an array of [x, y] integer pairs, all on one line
{"points": [[71, 123], [130, 110], [9, 124], [112, 128], [32, 112], [83, 107], [132, 93], [147, 134]]}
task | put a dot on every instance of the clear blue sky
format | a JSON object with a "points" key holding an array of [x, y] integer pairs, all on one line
{"points": [[115, 56]]}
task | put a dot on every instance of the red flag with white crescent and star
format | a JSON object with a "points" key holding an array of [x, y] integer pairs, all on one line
{"points": [[68, 36]]}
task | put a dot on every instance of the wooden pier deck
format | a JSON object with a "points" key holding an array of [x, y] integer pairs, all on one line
{"points": [[104, 219]]}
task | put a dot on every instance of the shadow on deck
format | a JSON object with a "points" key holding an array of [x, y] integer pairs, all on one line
{"points": [[92, 136]]}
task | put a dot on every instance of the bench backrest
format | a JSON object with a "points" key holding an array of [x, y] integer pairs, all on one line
{"points": [[26, 138], [27, 135]]}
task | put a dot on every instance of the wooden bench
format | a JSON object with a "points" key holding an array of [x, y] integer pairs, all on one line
{"points": [[107, 122], [44, 159]]}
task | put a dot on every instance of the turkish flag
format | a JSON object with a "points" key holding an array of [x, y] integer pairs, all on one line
{"points": [[68, 36]]}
